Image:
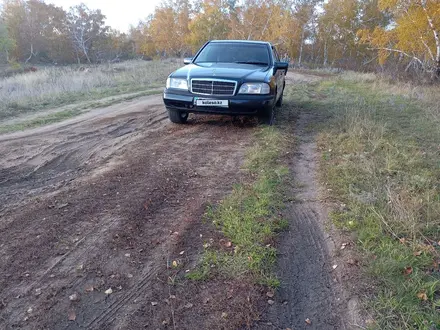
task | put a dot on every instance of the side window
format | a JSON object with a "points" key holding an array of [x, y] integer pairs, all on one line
{"points": [[275, 54]]}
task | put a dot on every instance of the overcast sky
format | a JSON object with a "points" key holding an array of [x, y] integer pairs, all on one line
{"points": [[120, 13]]}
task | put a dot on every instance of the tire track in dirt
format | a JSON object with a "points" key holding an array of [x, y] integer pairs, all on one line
{"points": [[69, 148], [310, 288], [105, 202]]}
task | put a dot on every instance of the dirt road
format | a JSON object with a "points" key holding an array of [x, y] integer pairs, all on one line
{"points": [[104, 201], [95, 210]]}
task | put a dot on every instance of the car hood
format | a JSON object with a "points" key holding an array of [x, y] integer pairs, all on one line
{"points": [[238, 72]]}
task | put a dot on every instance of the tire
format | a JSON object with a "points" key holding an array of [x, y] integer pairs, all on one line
{"points": [[177, 117], [267, 117], [280, 100]]}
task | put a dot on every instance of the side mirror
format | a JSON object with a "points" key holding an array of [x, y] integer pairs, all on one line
{"points": [[281, 66], [187, 60]]}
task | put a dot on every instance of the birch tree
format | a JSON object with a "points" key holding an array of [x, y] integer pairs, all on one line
{"points": [[85, 27]]}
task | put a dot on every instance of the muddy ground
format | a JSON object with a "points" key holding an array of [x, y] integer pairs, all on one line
{"points": [[94, 210]]}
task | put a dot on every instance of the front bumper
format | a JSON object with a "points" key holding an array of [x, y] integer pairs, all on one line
{"points": [[238, 104]]}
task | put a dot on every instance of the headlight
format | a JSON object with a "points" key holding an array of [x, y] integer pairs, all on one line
{"points": [[177, 83], [254, 88]]}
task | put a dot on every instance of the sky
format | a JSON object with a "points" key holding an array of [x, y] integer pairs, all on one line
{"points": [[120, 13]]}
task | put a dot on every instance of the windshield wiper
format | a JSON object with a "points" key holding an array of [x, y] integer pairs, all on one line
{"points": [[251, 62]]}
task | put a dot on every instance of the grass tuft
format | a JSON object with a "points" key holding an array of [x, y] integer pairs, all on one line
{"points": [[248, 218]]}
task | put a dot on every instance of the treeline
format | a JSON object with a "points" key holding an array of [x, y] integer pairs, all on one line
{"points": [[36, 32], [393, 35]]}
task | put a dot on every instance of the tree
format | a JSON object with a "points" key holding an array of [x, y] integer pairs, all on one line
{"points": [[212, 22], [86, 27], [166, 32], [38, 29], [413, 35], [305, 13], [6, 43]]}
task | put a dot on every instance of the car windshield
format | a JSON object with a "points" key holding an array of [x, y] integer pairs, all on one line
{"points": [[246, 53]]}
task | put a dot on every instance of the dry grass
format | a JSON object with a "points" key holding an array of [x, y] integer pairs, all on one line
{"points": [[55, 86]]}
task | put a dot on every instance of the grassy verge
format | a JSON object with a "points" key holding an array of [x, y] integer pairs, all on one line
{"points": [[51, 87], [380, 163], [248, 218], [71, 112]]}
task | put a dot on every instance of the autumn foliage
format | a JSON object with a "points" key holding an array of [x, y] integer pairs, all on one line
{"points": [[393, 35]]}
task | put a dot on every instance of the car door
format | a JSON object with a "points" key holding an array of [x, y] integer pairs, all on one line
{"points": [[279, 74]]}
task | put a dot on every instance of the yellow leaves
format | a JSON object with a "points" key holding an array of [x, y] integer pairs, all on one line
{"points": [[386, 4]]}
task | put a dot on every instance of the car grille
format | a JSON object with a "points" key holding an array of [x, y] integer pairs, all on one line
{"points": [[213, 87]]}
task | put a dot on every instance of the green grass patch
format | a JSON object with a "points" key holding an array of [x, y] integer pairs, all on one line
{"points": [[249, 217], [381, 161]]}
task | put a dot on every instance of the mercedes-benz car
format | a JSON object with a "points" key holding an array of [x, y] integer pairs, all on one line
{"points": [[233, 77]]}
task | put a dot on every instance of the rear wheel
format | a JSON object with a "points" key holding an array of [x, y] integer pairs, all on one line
{"points": [[178, 117]]}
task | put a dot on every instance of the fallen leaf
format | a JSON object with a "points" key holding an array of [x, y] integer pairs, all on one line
{"points": [[269, 294], [72, 315], [351, 261], [308, 321], [224, 315], [89, 288], [408, 270], [108, 291], [422, 296], [174, 263], [73, 297], [370, 322], [62, 206], [417, 253]]}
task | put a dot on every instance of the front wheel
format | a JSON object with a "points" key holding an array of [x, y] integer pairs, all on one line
{"points": [[267, 117], [177, 117], [280, 100]]}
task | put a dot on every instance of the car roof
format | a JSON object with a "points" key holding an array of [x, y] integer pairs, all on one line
{"points": [[243, 41]]}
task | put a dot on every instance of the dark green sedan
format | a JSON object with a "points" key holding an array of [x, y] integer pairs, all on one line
{"points": [[229, 77]]}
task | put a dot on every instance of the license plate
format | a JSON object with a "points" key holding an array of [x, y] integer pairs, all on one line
{"points": [[212, 103]]}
